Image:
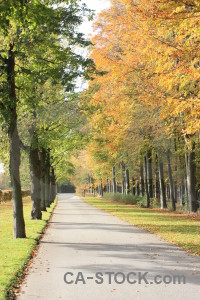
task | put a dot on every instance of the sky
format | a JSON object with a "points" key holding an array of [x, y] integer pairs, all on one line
{"points": [[96, 5], [86, 28]]}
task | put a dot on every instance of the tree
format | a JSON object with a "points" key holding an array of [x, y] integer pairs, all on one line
{"points": [[28, 29], [148, 95]]}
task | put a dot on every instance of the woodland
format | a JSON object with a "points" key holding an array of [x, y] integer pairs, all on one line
{"points": [[144, 111], [134, 131]]}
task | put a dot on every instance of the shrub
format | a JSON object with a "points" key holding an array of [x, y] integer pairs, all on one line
{"points": [[127, 199], [131, 199], [154, 202], [141, 202], [6, 195]]}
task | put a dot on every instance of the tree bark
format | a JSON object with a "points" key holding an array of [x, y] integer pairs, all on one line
{"points": [[149, 173], [123, 177], [35, 172], [163, 200], [114, 181], [53, 185], [142, 190], [157, 186], [182, 193], [171, 185], [133, 186], [191, 179], [109, 188], [88, 183], [15, 155], [137, 188], [42, 160], [47, 180], [127, 182], [146, 183], [101, 188]]}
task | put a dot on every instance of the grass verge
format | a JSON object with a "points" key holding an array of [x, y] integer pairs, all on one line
{"points": [[180, 229], [15, 253]]}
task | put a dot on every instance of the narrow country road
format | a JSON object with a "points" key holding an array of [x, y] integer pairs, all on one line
{"points": [[84, 240]]}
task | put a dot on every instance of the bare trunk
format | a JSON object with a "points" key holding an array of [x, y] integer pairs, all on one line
{"points": [[114, 180], [141, 180], [101, 188], [47, 180], [133, 186], [157, 186], [191, 179], [146, 183], [163, 200], [42, 160], [137, 188], [35, 172], [171, 185], [182, 194], [88, 184], [109, 190], [123, 177], [127, 182], [149, 173], [53, 185], [15, 155]]}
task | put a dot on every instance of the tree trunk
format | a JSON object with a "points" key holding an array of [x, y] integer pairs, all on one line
{"points": [[182, 194], [141, 180], [93, 190], [53, 185], [157, 186], [114, 181], [133, 186], [127, 182], [42, 161], [35, 172], [163, 200], [109, 189], [175, 191], [191, 179], [101, 188], [137, 188], [149, 173], [146, 183], [171, 186], [47, 180], [107, 186], [88, 183], [15, 155], [123, 177]]}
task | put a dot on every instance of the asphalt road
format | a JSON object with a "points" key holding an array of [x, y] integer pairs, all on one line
{"points": [[90, 244]]}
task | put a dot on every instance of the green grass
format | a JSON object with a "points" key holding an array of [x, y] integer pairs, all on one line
{"points": [[15, 253], [180, 229]]}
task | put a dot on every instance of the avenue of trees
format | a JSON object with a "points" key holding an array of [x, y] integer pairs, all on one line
{"points": [[144, 112], [39, 66], [135, 130]]}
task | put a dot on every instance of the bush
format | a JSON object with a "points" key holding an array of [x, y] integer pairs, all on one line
{"points": [[141, 202], [154, 202], [112, 196], [131, 199], [127, 199], [6, 195]]}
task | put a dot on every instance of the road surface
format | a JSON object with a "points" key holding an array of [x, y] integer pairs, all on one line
{"points": [[87, 254]]}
